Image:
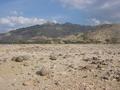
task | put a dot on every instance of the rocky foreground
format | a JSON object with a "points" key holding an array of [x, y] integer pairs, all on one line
{"points": [[60, 67]]}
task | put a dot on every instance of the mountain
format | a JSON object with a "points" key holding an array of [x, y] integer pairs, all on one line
{"points": [[105, 33], [63, 33]]}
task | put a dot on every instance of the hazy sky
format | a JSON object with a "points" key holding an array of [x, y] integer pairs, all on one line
{"points": [[22, 13]]}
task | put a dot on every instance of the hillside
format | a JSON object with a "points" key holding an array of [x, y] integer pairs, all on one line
{"points": [[105, 34], [63, 33]]}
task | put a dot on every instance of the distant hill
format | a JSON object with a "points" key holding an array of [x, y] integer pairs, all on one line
{"points": [[63, 33], [105, 34]]}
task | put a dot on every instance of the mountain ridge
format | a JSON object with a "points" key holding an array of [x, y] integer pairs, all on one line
{"points": [[63, 33]]}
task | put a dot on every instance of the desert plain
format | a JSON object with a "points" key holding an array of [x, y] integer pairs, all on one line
{"points": [[60, 67]]}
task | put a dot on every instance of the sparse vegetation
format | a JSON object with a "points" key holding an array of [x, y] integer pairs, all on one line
{"points": [[62, 34]]}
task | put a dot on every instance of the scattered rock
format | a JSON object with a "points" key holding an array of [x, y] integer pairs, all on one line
{"points": [[95, 58], [57, 83], [102, 62], [94, 62], [26, 64], [43, 72], [69, 71], [53, 57], [86, 59], [29, 73], [60, 54], [87, 67], [111, 75], [28, 83], [41, 59], [99, 67], [20, 58], [85, 76], [117, 76], [13, 84], [31, 82], [104, 78], [118, 53]]}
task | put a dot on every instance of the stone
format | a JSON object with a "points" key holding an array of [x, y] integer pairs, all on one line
{"points": [[43, 72], [95, 58], [53, 57], [20, 58], [28, 83]]}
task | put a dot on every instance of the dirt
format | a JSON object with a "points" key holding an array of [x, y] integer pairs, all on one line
{"points": [[60, 67]]}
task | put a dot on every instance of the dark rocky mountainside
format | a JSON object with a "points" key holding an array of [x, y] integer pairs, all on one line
{"points": [[63, 33]]}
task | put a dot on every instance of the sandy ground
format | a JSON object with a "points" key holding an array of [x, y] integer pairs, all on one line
{"points": [[65, 67]]}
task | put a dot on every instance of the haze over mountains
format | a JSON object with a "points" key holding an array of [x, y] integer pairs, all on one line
{"points": [[63, 33]]}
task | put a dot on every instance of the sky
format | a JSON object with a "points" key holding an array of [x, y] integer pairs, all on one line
{"points": [[22, 13]]}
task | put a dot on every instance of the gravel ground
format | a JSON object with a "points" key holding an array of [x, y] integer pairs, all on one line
{"points": [[60, 67]]}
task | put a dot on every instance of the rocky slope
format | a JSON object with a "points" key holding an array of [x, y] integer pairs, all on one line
{"points": [[110, 34], [63, 33]]}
